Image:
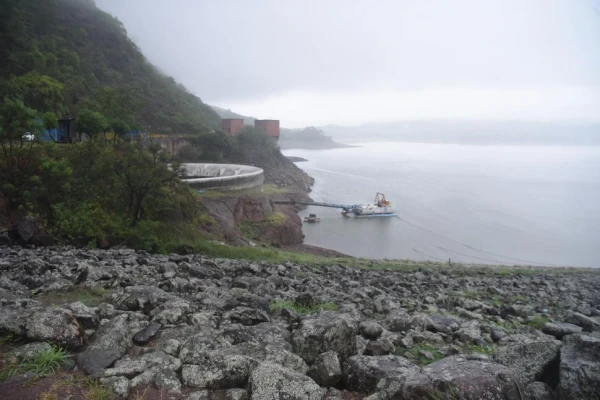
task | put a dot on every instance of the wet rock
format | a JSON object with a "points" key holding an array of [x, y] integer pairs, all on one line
{"points": [[326, 370], [497, 334], [579, 367], [560, 329], [93, 362], [370, 329], [363, 372], [144, 336], [529, 361], [272, 381], [326, 332]]}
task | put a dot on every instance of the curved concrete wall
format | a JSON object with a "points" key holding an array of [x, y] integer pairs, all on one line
{"points": [[223, 176]]}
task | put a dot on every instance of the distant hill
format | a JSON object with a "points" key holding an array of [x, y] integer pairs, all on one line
{"points": [[470, 132], [86, 50]]}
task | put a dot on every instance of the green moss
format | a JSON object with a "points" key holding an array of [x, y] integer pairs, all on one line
{"points": [[414, 355], [280, 304], [537, 321], [89, 297], [487, 350]]}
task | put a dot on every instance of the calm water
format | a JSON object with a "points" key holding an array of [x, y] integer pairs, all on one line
{"points": [[484, 204]]}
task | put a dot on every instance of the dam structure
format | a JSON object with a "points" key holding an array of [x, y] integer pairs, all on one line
{"points": [[226, 177]]}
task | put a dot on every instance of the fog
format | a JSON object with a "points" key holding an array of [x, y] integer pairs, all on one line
{"points": [[316, 62]]}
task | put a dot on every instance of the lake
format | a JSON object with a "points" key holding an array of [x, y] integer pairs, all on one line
{"points": [[534, 205]]}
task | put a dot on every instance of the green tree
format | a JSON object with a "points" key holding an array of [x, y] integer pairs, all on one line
{"points": [[50, 120], [40, 92], [119, 128], [17, 162], [91, 123]]}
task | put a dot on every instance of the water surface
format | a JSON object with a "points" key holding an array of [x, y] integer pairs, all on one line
{"points": [[468, 203]]}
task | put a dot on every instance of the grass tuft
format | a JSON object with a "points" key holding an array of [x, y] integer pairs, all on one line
{"points": [[537, 322], [483, 349], [44, 362], [280, 304]]}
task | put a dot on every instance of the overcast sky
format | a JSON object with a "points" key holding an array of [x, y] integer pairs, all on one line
{"points": [[316, 62]]}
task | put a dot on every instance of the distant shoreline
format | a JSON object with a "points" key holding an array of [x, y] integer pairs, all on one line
{"points": [[300, 145]]}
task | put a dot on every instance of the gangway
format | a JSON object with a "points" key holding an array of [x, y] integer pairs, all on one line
{"points": [[381, 208]]}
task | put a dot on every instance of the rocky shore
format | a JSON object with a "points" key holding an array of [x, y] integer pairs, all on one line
{"points": [[187, 327]]}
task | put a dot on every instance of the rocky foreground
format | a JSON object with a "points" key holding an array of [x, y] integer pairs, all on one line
{"points": [[197, 328]]}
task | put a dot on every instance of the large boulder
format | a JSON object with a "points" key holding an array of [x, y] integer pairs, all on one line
{"points": [[327, 332], [580, 368], [54, 325], [25, 230], [530, 361], [458, 378], [560, 329], [219, 371], [141, 298], [326, 370], [272, 381], [588, 324], [364, 372]]}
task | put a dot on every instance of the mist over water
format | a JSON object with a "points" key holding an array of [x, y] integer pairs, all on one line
{"points": [[468, 203]]}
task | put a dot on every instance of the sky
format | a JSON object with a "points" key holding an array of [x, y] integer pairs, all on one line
{"points": [[347, 62]]}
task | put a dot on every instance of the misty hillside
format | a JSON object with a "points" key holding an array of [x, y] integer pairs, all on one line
{"points": [[470, 132], [224, 113], [74, 44]]}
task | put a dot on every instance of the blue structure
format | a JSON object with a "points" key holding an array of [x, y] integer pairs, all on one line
{"points": [[64, 133]]}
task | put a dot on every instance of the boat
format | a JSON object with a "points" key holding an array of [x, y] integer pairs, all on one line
{"points": [[312, 218], [381, 207]]}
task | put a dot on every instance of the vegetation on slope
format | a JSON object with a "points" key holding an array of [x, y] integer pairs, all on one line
{"points": [[67, 56]]}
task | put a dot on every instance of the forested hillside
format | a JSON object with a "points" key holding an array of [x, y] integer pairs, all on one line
{"points": [[64, 56]]}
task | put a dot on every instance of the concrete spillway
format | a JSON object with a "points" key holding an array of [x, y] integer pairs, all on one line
{"points": [[223, 176]]}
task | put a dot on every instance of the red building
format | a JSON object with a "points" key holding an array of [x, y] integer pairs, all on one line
{"points": [[232, 126], [268, 126]]}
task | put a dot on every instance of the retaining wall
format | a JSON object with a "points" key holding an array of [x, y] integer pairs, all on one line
{"points": [[223, 176]]}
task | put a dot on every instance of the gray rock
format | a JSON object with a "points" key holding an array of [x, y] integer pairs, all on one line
{"points": [[85, 316], [539, 391], [56, 325], [200, 395], [93, 362], [363, 372], [272, 381], [380, 347], [218, 372], [560, 329], [529, 360], [246, 316], [236, 394], [25, 230], [326, 332], [458, 378], [118, 384], [29, 351], [497, 334], [442, 323], [167, 379], [579, 368], [169, 346], [151, 361], [141, 298], [588, 324], [326, 369], [144, 336], [398, 321], [370, 329], [115, 335]]}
